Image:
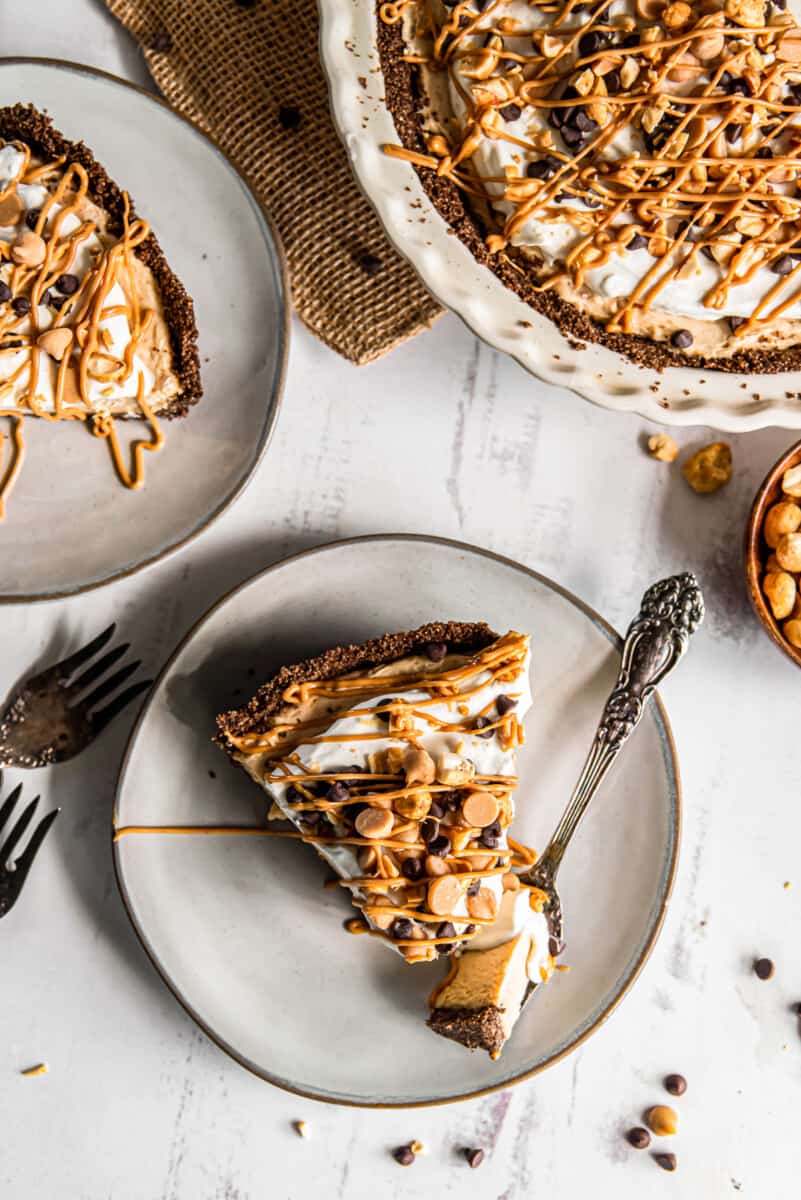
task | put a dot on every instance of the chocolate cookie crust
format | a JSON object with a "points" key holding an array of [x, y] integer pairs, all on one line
{"points": [[254, 717], [475, 1028], [404, 92], [20, 122]]}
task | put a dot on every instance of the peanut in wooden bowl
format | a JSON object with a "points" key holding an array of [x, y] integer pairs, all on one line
{"points": [[756, 550]]}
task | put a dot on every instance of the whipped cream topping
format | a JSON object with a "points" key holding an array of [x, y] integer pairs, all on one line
{"points": [[646, 152], [340, 755], [113, 325]]}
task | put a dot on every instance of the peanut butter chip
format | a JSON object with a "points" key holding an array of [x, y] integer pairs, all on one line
{"points": [[444, 894], [483, 904], [436, 866], [374, 823], [28, 249], [480, 809], [418, 765], [11, 209], [55, 342]]}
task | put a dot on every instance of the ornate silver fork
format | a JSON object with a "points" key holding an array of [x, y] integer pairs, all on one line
{"points": [[13, 875], [54, 715], [670, 613]]}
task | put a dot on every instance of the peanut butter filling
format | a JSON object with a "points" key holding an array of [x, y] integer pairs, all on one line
{"points": [[712, 91]]}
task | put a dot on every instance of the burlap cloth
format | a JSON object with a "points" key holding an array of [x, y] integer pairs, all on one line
{"points": [[231, 66]]}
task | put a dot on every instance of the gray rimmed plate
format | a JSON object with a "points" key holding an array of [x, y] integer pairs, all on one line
{"points": [[241, 928], [70, 525]]}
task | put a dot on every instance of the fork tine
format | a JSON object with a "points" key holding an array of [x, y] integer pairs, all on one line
{"points": [[8, 807], [100, 667], [18, 830], [68, 665], [23, 863], [101, 719], [109, 685]]}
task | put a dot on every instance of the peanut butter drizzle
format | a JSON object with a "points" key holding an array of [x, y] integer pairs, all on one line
{"points": [[88, 359], [729, 193], [388, 790], [17, 439]]}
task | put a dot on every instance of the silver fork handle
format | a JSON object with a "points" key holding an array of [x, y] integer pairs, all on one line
{"points": [[670, 612]]}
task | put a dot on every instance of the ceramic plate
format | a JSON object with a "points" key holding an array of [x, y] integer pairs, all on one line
{"points": [[70, 524], [242, 929], [677, 396]]}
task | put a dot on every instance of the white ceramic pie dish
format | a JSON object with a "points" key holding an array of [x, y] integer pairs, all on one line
{"points": [[241, 928], [676, 396]]}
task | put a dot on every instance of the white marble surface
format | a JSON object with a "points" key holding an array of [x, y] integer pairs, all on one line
{"points": [[442, 437]]}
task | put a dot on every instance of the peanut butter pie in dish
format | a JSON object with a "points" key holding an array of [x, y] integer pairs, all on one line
{"points": [[629, 168], [395, 759], [94, 325]]}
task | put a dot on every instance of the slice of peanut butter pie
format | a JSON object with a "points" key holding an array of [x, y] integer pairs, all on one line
{"points": [[94, 325], [395, 759]]}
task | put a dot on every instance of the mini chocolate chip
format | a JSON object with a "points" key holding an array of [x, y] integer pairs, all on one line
{"points": [[490, 840], [538, 170], [612, 81], [589, 43], [412, 868], [383, 716], [68, 284], [556, 117], [21, 306], [736, 87], [504, 704], [428, 830], [46, 298], [764, 968], [666, 1161], [583, 122], [402, 928], [474, 1156], [436, 651], [571, 137], [675, 1084], [446, 948], [469, 929], [371, 264], [403, 1155], [32, 216], [764, 152], [5, 292], [439, 846], [161, 42], [681, 339], [289, 117], [638, 1137], [338, 792], [736, 322], [55, 300], [638, 242], [783, 265], [475, 888], [436, 810], [446, 929], [733, 133], [451, 800], [632, 39], [510, 112], [13, 345], [482, 723]]}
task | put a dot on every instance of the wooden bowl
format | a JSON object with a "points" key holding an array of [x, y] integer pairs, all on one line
{"points": [[756, 550]]}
